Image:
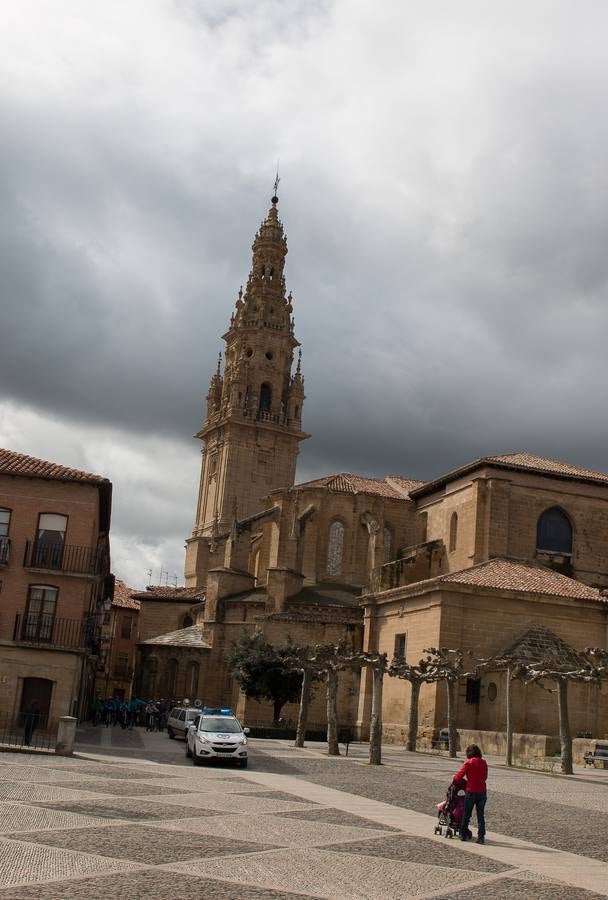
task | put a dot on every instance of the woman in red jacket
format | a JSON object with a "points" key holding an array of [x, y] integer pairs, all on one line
{"points": [[475, 770]]}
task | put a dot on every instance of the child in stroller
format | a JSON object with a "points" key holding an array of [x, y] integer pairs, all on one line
{"points": [[451, 811]]}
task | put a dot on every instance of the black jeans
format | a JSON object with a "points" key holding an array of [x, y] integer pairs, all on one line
{"points": [[474, 800]]}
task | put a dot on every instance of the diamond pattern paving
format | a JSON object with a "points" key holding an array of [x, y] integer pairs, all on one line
{"points": [[330, 875], [270, 829], [196, 785], [118, 787], [335, 816], [20, 863], [235, 803], [420, 850], [141, 844], [151, 884], [24, 790], [18, 817], [126, 808], [508, 888]]}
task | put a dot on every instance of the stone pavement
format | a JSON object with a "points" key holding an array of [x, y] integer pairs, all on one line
{"points": [[134, 819]]}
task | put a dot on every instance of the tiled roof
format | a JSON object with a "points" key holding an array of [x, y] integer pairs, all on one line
{"points": [[520, 575], [520, 461], [405, 485], [123, 596], [184, 637], [502, 574], [345, 483], [548, 466], [164, 592], [12, 463]]}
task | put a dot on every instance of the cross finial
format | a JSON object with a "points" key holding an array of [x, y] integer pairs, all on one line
{"points": [[275, 189]]}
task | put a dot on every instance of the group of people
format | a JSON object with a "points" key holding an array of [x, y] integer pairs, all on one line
{"points": [[114, 711]]}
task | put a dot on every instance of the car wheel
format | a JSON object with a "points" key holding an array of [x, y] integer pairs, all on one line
{"points": [[243, 763], [188, 750], [171, 733], [196, 760]]}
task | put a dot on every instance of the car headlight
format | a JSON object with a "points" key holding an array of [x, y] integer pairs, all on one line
{"points": [[201, 739], [242, 740]]}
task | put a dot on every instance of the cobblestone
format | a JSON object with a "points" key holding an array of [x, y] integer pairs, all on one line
{"points": [[147, 885], [561, 826], [138, 829], [144, 845]]}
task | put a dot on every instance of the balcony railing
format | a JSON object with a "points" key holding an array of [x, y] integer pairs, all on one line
{"points": [[5, 546], [64, 557], [44, 630]]}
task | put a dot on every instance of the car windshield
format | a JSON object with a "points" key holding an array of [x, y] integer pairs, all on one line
{"points": [[193, 713], [219, 724]]}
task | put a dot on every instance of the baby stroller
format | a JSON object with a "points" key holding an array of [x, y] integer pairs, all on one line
{"points": [[451, 811]]}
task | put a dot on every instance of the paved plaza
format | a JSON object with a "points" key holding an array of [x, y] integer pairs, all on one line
{"points": [[129, 817]]}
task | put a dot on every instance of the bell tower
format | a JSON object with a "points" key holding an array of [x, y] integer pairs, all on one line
{"points": [[252, 427]]}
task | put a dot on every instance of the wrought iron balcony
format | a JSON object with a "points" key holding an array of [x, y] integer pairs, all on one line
{"points": [[5, 546], [64, 557], [42, 630]]}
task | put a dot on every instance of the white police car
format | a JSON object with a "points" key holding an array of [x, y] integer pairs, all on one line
{"points": [[217, 734]]}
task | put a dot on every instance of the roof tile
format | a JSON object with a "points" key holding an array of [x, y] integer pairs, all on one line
{"points": [[12, 463], [345, 483], [506, 575], [123, 596]]}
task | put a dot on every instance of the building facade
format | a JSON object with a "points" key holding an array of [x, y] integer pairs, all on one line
{"points": [[469, 559], [118, 652], [55, 584]]}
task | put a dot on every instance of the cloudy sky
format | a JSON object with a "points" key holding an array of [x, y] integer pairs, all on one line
{"points": [[444, 183]]}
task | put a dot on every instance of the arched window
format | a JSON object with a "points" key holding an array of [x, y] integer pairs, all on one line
{"points": [[554, 532], [387, 536], [265, 398], [149, 677], [335, 548], [192, 674], [453, 531], [256, 564], [187, 621], [423, 520], [171, 680]]}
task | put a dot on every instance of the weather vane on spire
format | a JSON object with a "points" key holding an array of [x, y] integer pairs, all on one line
{"points": [[275, 190]]}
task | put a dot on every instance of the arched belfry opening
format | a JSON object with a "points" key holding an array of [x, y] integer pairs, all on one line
{"points": [[265, 398]]}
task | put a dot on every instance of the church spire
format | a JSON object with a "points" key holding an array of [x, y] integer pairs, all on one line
{"points": [[254, 406], [263, 303]]}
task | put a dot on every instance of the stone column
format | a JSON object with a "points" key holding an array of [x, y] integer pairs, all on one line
{"points": [[66, 735]]}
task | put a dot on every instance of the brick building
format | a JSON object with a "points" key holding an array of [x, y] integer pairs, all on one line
{"points": [[54, 580], [119, 636]]}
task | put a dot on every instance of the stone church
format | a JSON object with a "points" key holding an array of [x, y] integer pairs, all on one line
{"points": [[468, 559]]}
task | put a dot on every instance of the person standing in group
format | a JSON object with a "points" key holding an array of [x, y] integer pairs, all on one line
{"points": [[475, 770]]}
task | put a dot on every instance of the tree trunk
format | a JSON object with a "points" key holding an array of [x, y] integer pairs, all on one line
{"points": [[509, 702], [303, 712], [452, 733], [375, 722], [565, 737], [412, 727], [277, 706], [332, 713]]}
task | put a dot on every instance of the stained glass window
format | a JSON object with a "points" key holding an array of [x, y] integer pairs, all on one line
{"points": [[335, 549]]}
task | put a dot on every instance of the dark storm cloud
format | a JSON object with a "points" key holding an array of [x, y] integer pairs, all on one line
{"points": [[443, 191]]}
